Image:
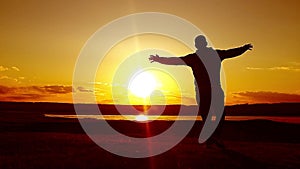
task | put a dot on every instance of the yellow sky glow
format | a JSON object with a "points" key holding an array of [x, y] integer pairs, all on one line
{"points": [[41, 40]]}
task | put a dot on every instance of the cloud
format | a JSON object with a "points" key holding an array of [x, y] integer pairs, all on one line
{"points": [[30, 93], [24, 97], [265, 97], [15, 68], [283, 68], [99, 83], [4, 77], [2, 68], [4, 89], [82, 89], [57, 89], [8, 78]]}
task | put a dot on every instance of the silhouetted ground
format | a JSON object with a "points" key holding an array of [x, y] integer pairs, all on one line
{"points": [[30, 140]]}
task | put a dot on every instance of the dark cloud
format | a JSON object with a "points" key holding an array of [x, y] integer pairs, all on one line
{"points": [[82, 89], [5, 90], [24, 97], [267, 97], [54, 89], [57, 89], [25, 93]]}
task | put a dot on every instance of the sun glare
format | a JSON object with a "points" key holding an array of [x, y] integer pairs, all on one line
{"points": [[142, 84], [141, 118]]}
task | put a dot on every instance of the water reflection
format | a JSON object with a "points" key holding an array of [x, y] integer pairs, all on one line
{"points": [[173, 118]]}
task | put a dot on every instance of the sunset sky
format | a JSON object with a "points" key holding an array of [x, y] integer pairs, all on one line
{"points": [[41, 41]]}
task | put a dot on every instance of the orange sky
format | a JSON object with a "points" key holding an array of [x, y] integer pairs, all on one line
{"points": [[40, 42]]}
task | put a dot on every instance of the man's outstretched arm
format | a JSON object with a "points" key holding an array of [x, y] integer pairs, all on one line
{"points": [[166, 60], [224, 54]]}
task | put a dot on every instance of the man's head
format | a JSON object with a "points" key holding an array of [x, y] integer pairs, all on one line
{"points": [[200, 42]]}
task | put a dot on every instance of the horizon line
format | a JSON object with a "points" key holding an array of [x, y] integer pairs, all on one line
{"points": [[110, 104]]}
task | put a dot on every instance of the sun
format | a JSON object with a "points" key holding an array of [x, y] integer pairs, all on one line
{"points": [[141, 118], [142, 84]]}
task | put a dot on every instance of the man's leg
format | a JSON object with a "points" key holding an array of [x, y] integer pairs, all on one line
{"points": [[216, 137]]}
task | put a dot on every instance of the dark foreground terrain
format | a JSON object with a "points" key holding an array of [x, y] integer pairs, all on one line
{"points": [[31, 140]]}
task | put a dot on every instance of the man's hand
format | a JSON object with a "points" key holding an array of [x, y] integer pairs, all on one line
{"points": [[248, 46], [153, 58]]}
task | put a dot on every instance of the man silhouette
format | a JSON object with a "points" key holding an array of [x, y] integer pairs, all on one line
{"points": [[203, 83]]}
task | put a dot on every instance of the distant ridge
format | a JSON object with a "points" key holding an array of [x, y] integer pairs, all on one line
{"points": [[274, 109]]}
